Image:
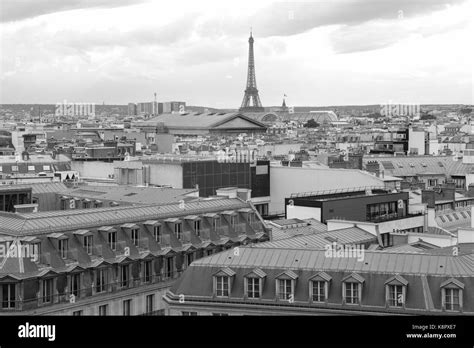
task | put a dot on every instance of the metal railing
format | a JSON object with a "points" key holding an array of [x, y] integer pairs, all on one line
{"points": [[84, 293], [336, 191]]}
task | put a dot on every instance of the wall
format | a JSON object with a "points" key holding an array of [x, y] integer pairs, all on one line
{"points": [[299, 212], [416, 141], [287, 180], [441, 241], [93, 169], [166, 174]]}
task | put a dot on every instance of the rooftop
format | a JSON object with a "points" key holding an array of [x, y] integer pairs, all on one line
{"points": [[271, 257], [131, 194], [24, 224]]}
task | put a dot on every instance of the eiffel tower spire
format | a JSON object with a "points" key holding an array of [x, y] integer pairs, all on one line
{"points": [[251, 92]]}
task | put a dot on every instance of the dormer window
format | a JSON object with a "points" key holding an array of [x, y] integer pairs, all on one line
{"points": [[222, 282], [395, 291], [254, 283], [63, 246], [216, 223], [197, 227], [112, 240], [452, 295], [178, 230], [352, 289], [157, 233], [88, 244], [250, 217], [285, 285], [134, 236], [319, 287]]}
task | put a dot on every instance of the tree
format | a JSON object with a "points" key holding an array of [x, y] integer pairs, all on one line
{"points": [[311, 124]]}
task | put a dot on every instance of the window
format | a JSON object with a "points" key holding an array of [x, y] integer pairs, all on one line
{"points": [[124, 276], [74, 284], [150, 302], [14, 168], [178, 229], [169, 267], [46, 167], [100, 280], [451, 299], [127, 307], [197, 227], [232, 220], [318, 291], [134, 233], [189, 313], [88, 244], [222, 286], [37, 251], [112, 240], [63, 247], [352, 293], [220, 314], [8, 296], [157, 233], [103, 310], [253, 287], [250, 218], [147, 271], [47, 290], [31, 168], [285, 289], [77, 313], [396, 296], [188, 259], [216, 222]]}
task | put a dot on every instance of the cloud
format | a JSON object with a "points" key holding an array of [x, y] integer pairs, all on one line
{"points": [[290, 18], [16, 10]]}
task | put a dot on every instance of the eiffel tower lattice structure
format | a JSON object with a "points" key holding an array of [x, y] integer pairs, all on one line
{"points": [[251, 92]]}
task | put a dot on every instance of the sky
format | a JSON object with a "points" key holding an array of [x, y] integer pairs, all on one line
{"points": [[318, 53]]}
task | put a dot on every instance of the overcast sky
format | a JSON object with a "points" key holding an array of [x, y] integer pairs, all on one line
{"points": [[333, 52]]}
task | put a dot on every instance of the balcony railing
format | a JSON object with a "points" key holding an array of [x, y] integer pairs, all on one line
{"points": [[84, 293]]}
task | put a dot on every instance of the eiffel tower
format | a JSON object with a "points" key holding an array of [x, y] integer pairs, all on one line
{"points": [[251, 92]]}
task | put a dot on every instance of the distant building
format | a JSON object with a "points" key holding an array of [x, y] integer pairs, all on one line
{"points": [[132, 109], [192, 124], [35, 168], [173, 107]]}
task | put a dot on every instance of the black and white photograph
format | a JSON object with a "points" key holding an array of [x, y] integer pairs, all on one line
{"points": [[278, 164]]}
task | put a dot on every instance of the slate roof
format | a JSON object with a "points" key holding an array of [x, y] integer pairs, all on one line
{"points": [[403, 166], [196, 120], [268, 257], [351, 235], [130, 194], [59, 221]]}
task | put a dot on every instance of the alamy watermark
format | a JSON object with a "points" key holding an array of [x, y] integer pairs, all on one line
{"points": [[237, 156], [15, 249], [391, 109], [75, 109], [336, 250]]}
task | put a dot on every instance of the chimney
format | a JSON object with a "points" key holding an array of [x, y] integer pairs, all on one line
{"points": [[26, 208], [373, 167], [428, 197]]}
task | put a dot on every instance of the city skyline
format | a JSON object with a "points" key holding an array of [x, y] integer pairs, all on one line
{"points": [[405, 52]]}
